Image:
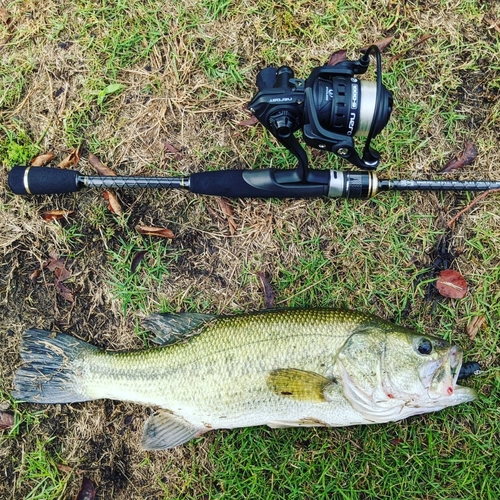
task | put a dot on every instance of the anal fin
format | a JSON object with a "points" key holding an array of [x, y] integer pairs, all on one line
{"points": [[164, 430]]}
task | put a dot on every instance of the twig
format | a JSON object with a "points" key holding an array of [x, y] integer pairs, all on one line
{"points": [[470, 205], [401, 54]]}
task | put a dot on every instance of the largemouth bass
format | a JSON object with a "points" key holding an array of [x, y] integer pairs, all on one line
{"points": [[281, 368]]}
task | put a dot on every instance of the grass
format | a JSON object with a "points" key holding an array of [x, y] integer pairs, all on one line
{"points": [[122, 80]]}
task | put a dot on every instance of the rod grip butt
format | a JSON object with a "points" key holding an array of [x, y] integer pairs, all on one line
{"points": [[42, 180]]}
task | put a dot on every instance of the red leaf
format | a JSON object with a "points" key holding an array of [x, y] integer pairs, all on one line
{"points": [[163, 232], [451, 284], [466, 157], [87, 491], [337, 57], [6, 420]]}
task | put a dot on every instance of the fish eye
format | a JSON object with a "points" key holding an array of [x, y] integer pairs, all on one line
{"points": [[424, 347]]}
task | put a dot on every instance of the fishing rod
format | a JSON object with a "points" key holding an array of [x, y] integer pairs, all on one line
{"points": [[266, 183], [330, 107]]}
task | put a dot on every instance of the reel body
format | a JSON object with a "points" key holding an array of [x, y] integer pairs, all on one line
{"points": [[331, 107]]}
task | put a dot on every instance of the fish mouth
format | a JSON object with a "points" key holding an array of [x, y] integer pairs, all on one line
{"points": [[440, 377]]}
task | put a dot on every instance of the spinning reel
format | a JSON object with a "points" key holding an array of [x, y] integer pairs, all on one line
{"points": [[331, 107]]}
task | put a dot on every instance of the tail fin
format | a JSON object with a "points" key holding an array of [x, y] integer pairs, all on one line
{"points": [[49, 373]]}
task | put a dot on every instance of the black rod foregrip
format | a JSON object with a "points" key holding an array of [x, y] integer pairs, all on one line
{"points": [[43, 180]]}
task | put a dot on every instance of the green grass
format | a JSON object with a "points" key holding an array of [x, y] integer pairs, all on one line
{"points": [[40, 473], [137, 75]]}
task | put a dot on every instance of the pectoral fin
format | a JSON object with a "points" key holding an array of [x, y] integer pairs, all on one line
{"points": [[164, 430], [299, 385]]}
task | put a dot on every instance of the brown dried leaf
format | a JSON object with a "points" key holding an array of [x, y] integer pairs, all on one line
{"points": [[451, 284], [72, 159], [474, 326], [58, 267], [41, 160], [100, 168], [381, 44], [172, 149], [6, 420], [162, 232], [251, 122], [64, 291], [54, 263], [113, 203], [65, 468], [268, 290], [137, 260], [466, 157], [49, 215], [87, 491], [4, 16], [337, 57], [228, 211]]}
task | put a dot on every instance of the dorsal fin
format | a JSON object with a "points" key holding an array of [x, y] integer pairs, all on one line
{"points": [[175, 327]]}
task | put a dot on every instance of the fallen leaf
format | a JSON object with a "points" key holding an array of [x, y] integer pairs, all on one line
{"points": [[172, 149], [72, 159], [337, 57], [381, 44], [451, 284], [65, 468], [251, 122], [54, 263], [228, 211], [100, 168], [466, 157], [113, 203], [474, 326], [49, 215], [137, 260], [41, 160], [396, 441], [64, 291], [87, 491], [4, 16], [61, 273], [268, 290], [6, 420], [162, 232]]}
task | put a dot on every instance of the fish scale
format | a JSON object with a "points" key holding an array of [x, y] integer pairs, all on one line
{"points": [[283, 368]]}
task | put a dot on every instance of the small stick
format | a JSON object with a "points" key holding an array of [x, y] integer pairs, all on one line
{"points": [[470, 205]]}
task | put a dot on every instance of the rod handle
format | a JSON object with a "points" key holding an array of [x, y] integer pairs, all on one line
{"points": [[262, 183], [42, 180]]}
